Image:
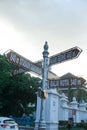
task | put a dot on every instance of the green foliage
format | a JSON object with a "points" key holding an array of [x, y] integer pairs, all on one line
{"points": [[79, 125], [85, 125], [15, 91], [78, 93], [63, 123]]}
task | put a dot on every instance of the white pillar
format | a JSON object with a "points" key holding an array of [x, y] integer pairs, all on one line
{"points": [[64, 107], [82, 106], [75, 113], [52, 110]]}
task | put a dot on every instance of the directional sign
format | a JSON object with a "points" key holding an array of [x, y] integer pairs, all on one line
{"points": [[65, 56], [50, 76], [36, 67], [24, 65], [22, 62], [69, 54], [18, 71]]}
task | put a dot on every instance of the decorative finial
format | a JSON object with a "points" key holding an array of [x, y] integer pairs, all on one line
{"points": [[46, 46]]}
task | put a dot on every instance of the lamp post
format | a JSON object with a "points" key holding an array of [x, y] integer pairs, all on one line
{"points": [[42, 124]]}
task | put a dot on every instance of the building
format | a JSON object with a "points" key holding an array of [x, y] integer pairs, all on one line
{"points": [[70, 84]]}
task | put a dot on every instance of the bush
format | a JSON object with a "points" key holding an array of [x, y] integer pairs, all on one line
{"points": [[79, 124], [63, 123], [85, 125]]}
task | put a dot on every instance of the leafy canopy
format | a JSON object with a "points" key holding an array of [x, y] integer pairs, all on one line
{"points": [[16, 92]]}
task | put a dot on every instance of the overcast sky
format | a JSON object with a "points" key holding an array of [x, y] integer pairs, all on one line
{"points": [[25, 25]]}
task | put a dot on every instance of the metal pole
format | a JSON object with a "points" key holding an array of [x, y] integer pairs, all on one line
{"points": [[42, 125]]}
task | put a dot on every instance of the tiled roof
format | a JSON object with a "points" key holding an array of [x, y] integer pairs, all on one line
{"points": [[68, 75]]}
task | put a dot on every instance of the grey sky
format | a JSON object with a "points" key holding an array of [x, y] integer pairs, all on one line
{"points": [[63, 23]]}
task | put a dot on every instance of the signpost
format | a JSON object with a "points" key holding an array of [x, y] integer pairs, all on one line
{"points": [[23, 63], [65, 56], [28, 65], [69, 54], [18, 71]]}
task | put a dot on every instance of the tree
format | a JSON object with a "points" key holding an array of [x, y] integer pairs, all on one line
{"points": [[15, 91]]}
